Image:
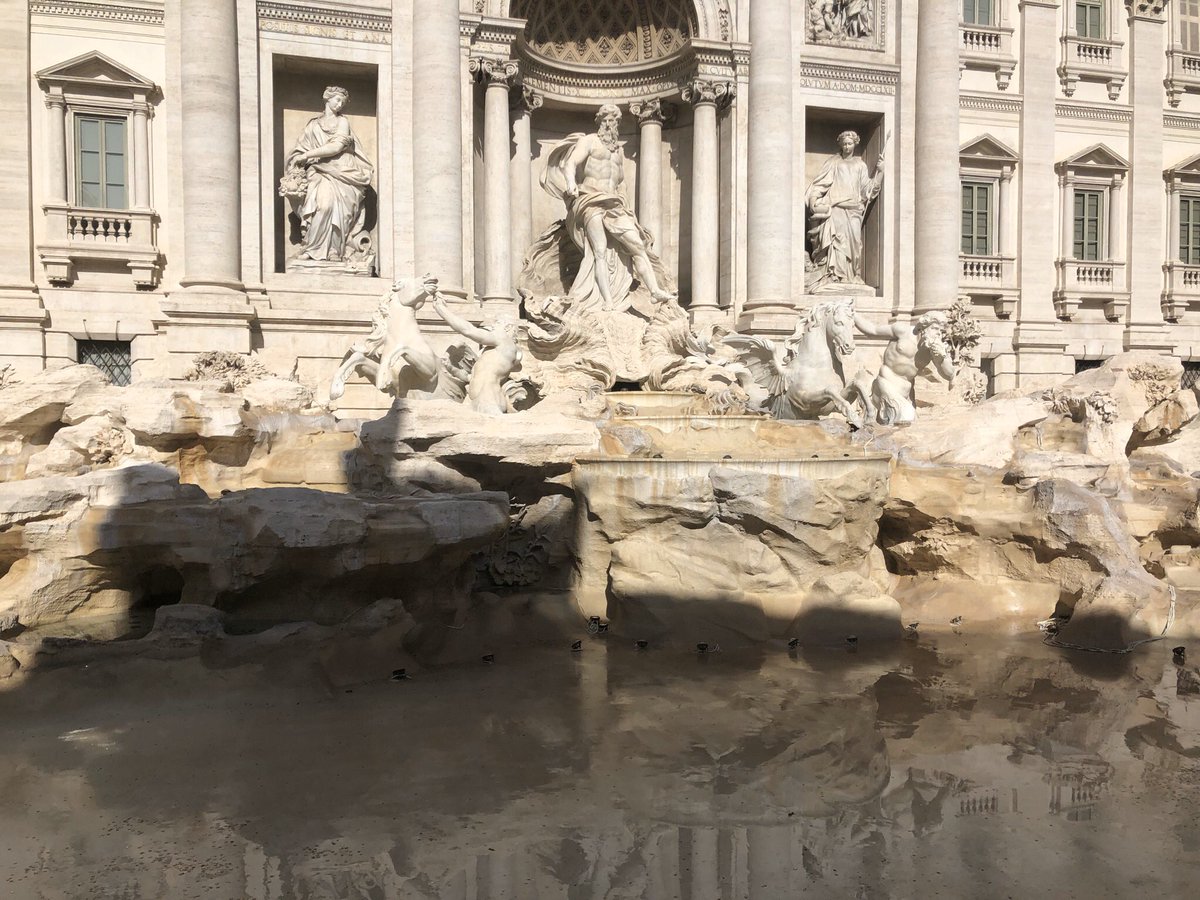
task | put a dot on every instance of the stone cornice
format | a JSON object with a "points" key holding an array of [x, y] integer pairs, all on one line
{"points": [[1093, 112], [319, 20], [852, 79], [990, 103], [131, 13], [1181, 120]]}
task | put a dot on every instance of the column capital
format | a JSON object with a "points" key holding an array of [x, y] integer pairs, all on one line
{"points": [[655, 110], [527, 100], [55, 101], [501, 72], [1149, 10], [699, 91]]}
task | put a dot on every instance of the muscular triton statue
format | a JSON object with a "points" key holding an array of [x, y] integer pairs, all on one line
{"points": [[586, 171]]}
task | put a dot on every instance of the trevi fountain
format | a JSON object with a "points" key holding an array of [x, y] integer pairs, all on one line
{"points": [[580, 585]]}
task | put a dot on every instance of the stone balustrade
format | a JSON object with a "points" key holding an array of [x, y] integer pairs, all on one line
{"points": [[1079, 280], [1183, 74], [1091, 59], [1182, 289], [76, 234], [988, 48]]}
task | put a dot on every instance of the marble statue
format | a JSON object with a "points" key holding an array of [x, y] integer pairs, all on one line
{"points": [[804, 377], [837, 200], [395, 355], [911, 347], [586, 171], [491, 389], [326, 184], [680, 359]]}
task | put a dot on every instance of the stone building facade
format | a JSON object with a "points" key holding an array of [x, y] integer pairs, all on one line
{"points": [[1039, 157]]}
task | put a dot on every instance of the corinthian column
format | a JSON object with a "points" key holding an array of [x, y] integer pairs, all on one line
{"points": [[521, 173], [1145, 198], [705, 95], [497, 77], [210, 154], [769, 163], [937, 231], [438, 159], [651, 115]]}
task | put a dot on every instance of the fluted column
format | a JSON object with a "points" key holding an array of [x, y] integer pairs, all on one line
{"points": [[937, 229], [497, 77], [521, 177], [437, 129], [210, 152], [651, 115], [770, 155], [16, 222], [1146, 330], [141, 155], [705, 96]]}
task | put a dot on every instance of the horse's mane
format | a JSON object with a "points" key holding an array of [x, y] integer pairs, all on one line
{"points": [[818, 313]]}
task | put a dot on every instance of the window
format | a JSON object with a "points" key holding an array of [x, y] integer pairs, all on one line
{"points": [[1089, 207], [1189, 229], [1191, 374], [979, 12], [100, 163], [113, 358], [977, 218], [1089, 18], [1086, 365], [1189, 25]]}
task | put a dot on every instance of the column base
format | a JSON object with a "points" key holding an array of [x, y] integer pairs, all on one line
{"points": [[23, 322], [708, 315], [768, 316], [499, 306]]}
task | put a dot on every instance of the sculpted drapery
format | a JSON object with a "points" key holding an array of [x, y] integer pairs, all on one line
{"points": [[837, 201]]}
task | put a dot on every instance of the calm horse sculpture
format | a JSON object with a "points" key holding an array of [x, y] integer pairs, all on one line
{"points": [[804, 376]]}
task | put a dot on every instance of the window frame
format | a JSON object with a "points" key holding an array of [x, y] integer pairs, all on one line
{"points": [[992, 186], [1180, 32], [1099, 7], [75, 151], [1188, 251], [973, 19], [1102, 236]]}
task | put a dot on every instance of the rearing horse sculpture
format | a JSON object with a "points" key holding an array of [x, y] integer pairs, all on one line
{"points": [[804, 376]]}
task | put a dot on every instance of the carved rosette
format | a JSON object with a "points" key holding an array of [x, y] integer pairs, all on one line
{"points": [[709, 90], [499, 72], [653, 110], [1155, 10]]}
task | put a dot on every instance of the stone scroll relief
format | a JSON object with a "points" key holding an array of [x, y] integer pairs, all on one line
{"points": [[847, 23], [326, 182]]}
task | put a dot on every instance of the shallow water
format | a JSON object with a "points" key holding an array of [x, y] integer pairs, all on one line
{"points": [[951, 766]]}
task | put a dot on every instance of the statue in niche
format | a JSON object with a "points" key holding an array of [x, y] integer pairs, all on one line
{"points": [[841, 21], [491, 390], [804, 378], [911, 347], [326, 182], [397, 358], [837, 201], [586, 171]]}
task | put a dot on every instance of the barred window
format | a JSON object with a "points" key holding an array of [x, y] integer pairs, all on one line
{"points": [[113, 358]]}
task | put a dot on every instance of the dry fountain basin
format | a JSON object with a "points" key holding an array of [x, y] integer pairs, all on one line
{"points": [[703, 529]]}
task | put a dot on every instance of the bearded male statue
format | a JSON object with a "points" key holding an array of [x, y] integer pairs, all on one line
{"points": [[586, 171]]}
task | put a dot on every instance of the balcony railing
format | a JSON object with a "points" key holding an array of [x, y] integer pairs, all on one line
{"points": [[1183, 289], [990, 278], [1183, 74], [1080, 280], [1091, 59], [77, 236], [989, 48]]}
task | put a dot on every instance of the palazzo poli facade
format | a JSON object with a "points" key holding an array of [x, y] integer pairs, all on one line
{"points": [[1041, 158]]}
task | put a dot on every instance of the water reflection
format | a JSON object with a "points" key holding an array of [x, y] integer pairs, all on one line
{"points": [[964, 770]]}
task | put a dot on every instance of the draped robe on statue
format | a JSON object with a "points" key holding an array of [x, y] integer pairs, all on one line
{"points": [[837, 201], [332, 213], [619, 220]]}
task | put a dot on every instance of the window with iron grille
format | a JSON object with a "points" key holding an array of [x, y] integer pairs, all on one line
{"points": [[1191, 373], [1085, 365], [979, 12], [113, 358]]}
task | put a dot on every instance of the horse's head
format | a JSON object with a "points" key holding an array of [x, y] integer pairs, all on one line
{"points": [[836, 318]]}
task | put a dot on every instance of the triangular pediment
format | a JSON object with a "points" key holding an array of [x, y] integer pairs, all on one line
{"points": [[1097, 158], [986, 148], [96, 69], [1190, 166]]}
